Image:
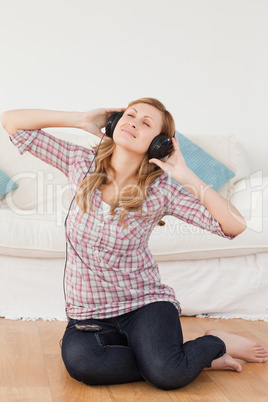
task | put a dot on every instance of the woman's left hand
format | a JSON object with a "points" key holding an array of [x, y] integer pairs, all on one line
{"points": [[175, 165]]}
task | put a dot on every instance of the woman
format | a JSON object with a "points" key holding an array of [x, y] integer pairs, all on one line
{"points": [[124, 323]]}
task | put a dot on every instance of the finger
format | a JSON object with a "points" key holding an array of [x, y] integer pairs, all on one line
{"points": [[175, 142], [112, 110]]}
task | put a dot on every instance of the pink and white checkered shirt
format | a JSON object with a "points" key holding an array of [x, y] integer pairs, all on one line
{"points": [[116, 272]]}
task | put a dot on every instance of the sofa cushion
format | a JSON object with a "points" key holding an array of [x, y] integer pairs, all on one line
{"points": [[27, 234], [33, 235], [186, 242], [6, 183], [228, 150], [210, 170]]}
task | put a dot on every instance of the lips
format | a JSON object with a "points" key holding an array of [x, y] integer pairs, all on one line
{"points": [[129, 132]]}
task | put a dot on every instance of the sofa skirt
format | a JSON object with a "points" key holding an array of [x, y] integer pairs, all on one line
{"points": [[236, 287]]}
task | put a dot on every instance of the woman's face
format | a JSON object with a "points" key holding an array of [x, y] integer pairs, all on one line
{"points": [[138, 126]]}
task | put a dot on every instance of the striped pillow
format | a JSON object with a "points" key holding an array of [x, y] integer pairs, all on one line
{"points": [[213, 172], [6, 184]]}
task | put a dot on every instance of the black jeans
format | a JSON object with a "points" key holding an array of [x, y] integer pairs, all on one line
{"points": [[145, 344]]}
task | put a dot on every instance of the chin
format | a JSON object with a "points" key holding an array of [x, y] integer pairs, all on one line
{"points": [[124, 141], [128, 147]]}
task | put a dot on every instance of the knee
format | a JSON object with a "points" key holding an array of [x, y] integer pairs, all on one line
{"points": [[78, 365], [73, 361], [164, 377]]}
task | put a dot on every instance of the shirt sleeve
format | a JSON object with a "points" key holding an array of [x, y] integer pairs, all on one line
{"points": [[57, 153], [182, 204]]}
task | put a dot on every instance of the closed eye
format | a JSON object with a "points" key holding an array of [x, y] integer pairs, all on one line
{"points": [[131, 115]]}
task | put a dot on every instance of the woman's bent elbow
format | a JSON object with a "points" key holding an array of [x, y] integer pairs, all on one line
{"points": [[5, 121], [242, 225]]}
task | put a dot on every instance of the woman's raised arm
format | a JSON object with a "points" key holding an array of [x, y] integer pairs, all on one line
{"points": [[34, 119], [230, 219]]}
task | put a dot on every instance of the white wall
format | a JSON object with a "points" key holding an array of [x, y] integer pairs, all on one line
{"points": [[205, 59]]}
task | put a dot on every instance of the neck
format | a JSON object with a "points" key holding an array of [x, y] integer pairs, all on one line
{"points": [[125, 165]]}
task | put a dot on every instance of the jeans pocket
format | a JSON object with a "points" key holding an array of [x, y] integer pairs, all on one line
{"points": [[111, 338]]}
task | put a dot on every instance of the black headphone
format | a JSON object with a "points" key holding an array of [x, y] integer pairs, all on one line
{"points": [[160, 147]]}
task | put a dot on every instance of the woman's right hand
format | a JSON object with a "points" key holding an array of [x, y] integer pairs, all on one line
{"points": [[95, 120]]}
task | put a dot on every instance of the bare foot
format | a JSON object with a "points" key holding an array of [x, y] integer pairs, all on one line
{"points": [[225, 362], [241, 348]]}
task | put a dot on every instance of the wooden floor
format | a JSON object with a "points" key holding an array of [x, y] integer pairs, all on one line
{"points": [[31, 368]]}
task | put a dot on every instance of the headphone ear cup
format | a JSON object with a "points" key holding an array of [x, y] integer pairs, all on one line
{"points": [[160, 147], [112, 122]]}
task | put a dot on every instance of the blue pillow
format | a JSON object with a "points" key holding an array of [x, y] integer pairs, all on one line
{"points": [[6, 184], [214, 173]]}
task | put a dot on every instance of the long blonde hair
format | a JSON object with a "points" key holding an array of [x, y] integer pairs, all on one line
{"points": [[133, 196]]}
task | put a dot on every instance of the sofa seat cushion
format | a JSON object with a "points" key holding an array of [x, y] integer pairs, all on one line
{"points": [[179, 241], [31, 235], [42, 236]]}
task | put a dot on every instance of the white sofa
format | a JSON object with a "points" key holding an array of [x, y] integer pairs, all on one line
{"points": [[212, 276]]}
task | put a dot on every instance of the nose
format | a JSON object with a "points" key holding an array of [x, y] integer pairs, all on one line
{"points": [[132, 124]]}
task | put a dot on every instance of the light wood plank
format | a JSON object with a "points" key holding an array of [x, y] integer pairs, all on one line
{"points": [[21, 358], [246, 386], [50, 334], [64, 387], [18, 394], [139, 391], [202, 389], [32, 368]]}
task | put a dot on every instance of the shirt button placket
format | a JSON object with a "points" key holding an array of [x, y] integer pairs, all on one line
{"points": [[100, 223]]}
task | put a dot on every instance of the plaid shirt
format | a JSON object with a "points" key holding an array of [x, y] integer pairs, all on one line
{"points": [[110, 269]]}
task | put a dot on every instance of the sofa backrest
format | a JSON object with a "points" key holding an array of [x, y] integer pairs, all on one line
{"points": [[44, 189]]}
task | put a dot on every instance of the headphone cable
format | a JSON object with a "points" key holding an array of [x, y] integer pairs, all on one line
{"points": [[66, 235]]}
